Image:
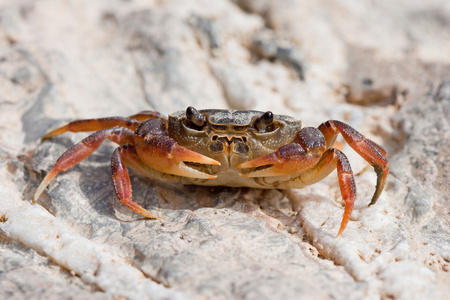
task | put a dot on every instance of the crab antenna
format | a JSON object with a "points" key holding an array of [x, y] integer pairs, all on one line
{"points": [[195, 117], [264, 120]]}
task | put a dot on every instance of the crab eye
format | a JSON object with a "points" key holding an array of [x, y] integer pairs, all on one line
{"points": [[263, 122], [195, 117]]}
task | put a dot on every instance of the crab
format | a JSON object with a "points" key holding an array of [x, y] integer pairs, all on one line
{"points": [[222, 147]]}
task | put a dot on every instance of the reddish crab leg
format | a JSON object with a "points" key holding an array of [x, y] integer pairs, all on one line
{"points": [[147, 114], [335, 159], [83, 149], [122, 185], [93, 125], [347, 184], [131, 122], [369, 150], [331, 159]]}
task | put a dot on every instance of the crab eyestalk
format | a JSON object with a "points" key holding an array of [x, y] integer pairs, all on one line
{"points": [[263, 121], [195, 117]]}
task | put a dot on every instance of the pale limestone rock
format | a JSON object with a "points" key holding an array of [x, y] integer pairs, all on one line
{"points": [[61, 61]]}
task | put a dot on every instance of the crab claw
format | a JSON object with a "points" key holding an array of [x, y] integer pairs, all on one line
{"points": [[288, 159], [162, 153]]}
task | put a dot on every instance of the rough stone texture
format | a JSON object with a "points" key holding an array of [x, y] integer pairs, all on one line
{"points": [[383, 67]]}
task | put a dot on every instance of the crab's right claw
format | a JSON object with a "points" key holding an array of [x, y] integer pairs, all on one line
{"points": [[162, 153]]}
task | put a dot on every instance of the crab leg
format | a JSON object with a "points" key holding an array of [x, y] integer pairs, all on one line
{"points": [[162, 153], [131, 122], [331, 159], [346, 180], [369, 150], [145, 115], [122, 184], [83, 149]]}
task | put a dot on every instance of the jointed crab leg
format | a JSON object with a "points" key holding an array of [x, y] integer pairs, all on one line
{"points": [[331, 159], [122, 184], [122, 157], [369, 150], [83, 149], [316, 167], [156, 149], [145, 115], [131, 122]]}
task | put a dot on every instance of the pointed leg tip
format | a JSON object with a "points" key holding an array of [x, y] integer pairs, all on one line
{"points": [[39, 191], [45, 182], [35, 198], [138, 209], [342, 227], [54, 132], [150, 216], [47, 136], [341, 230]]}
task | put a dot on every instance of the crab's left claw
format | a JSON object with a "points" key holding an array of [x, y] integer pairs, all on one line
{"points": [[302, 154], [288, 159]]}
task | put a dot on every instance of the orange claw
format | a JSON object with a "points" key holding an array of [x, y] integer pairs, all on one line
{"points": [[288, 159], [179, 154], [162, 153], [267, 160]]}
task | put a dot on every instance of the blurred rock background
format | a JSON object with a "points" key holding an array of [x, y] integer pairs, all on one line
{"points": [[381, 66]]}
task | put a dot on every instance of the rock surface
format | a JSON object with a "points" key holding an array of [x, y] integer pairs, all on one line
{"points": [[382, 67]]}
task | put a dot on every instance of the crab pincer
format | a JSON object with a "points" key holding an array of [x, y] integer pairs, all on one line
{"points": [[303, 153], [162, 153]]}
